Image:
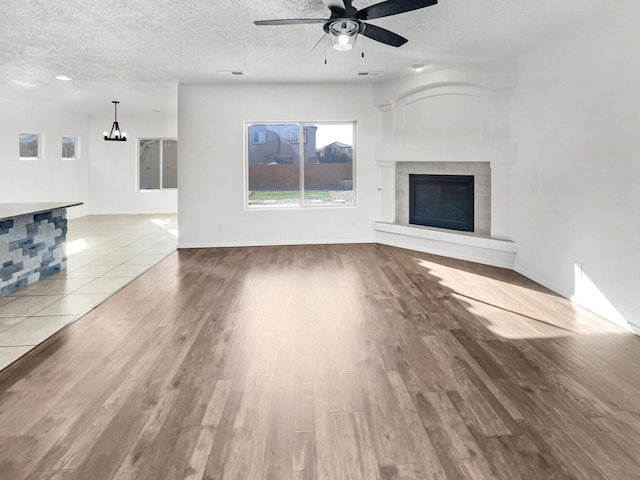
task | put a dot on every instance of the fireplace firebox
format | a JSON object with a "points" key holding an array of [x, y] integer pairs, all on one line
{"points": [[444, 201]]}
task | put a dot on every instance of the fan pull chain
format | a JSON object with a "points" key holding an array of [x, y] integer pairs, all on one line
{"points": [[325, 49]]}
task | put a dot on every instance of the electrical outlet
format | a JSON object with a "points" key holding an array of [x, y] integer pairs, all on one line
{"points": [[354, 224], [219, 227], [578, 269]]}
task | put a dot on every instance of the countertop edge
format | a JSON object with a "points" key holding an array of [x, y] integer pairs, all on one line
{"points": [[12, 210]]}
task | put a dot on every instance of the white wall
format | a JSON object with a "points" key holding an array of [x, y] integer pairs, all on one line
{"points": [[113, 169], [49, 179], [576, 120], [211, 209]]}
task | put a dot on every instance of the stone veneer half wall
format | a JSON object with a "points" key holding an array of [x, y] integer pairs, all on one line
{"points": [[481, 172], [32, 247]]}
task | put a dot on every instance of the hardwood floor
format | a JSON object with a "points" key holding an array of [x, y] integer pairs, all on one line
{"points": [[326, 362]]}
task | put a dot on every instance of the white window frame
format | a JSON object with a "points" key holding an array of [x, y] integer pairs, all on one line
{"points": [[294, 136], [301, 131], [161, 188], [39, 146], [76, 145]]}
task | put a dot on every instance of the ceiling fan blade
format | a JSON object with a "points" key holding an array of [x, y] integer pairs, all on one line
{"points": [[335, 5], [392, 7], [382, 35], [291, 21]]}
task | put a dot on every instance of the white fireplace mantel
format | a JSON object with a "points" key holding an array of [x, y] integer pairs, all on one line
{"points": [[447, 124], [492, 152]]}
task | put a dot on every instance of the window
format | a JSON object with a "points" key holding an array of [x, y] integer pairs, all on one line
{"points": [[158, 163], [283, 173], [70, 148], [30, 146], [294, 136], [258, 137]]}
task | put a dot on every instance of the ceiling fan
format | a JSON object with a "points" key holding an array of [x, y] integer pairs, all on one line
{"points": [[346, 21]]}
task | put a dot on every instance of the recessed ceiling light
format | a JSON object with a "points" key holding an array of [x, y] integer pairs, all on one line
{"points": [[64, 78], [418, 67], [23, 84]]}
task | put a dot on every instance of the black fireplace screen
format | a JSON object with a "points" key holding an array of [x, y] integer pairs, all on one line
{"points": [[444, 201]]}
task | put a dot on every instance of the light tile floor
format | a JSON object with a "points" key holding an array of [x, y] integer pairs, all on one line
{"points": [[105, 253]]}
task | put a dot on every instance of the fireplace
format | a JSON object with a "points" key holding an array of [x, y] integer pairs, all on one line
{"points": [[444, 201]]}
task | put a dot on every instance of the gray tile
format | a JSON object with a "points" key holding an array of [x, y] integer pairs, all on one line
{"points": [[6, 323], [127, 271], [28, 289], [482, 226], [33, 330], [146, 259], [130, 250], [5, 300], [8, 355], [159, 249], [27, 305], [59, 286], [482, 185], [112, 259], [456, 168], [402, 183], [413, 167], [402, 199], [479, 168], [439, 168], [104, 285], [81, 260], [89, 271], [482, 207], [74, 304]]}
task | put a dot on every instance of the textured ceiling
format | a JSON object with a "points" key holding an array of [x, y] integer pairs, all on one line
{"points": [[138, 51]]}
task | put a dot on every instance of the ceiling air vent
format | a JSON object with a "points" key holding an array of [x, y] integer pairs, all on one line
{"points": [[368, 74], [230, 72]]}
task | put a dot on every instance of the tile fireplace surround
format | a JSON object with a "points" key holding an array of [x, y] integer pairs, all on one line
{"points": [[482, 188]]}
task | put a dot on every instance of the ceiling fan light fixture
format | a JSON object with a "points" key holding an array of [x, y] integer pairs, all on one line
{"points": [[343, 43], [344, 24], [115, 134], [343, 33]]}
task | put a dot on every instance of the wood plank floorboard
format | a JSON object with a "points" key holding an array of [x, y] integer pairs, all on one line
{"points": [[326, 362]]}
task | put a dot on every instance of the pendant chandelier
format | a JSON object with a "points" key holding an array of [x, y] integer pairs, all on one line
{"points": [[116, 134]]}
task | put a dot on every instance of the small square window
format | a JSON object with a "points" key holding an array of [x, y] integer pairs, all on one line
{"points": [[70, 148], [29, 146], [258, 137], [294, 136]]}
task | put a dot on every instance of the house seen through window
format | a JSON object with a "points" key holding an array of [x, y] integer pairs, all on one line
{"points": [[69, 148], [30, 146], [158, 163], [284, 172]]}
